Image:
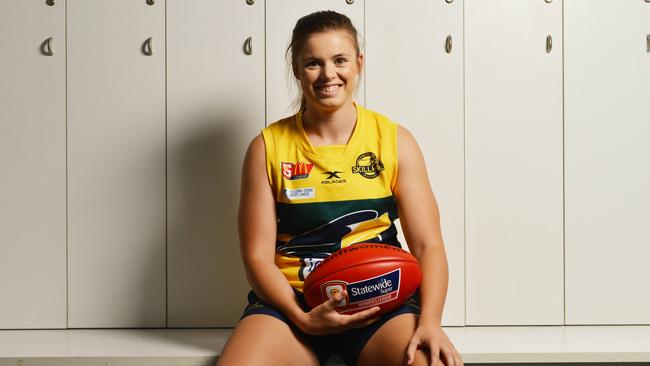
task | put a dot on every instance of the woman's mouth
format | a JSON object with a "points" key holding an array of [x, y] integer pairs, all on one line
{"points": [[328, 90]]}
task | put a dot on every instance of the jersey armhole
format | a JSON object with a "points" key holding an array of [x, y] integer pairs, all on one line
{"points": [[269, 150], [393, 181]]}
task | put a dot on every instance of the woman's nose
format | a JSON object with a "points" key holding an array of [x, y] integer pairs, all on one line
{"points": [[328, 71]]}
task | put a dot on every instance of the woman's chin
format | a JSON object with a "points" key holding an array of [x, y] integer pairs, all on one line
{"points": [[330, 103]]}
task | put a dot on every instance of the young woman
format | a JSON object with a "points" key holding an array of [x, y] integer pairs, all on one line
{"points": [[322, 179]]}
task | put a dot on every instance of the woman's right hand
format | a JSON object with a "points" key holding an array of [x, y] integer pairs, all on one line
{"points": [[324, 319]]}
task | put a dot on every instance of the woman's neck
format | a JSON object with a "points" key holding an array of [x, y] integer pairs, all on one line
{"points": [[329, 127]]}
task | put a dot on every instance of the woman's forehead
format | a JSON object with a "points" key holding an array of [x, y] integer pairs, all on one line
{"points": [[328, 44]]}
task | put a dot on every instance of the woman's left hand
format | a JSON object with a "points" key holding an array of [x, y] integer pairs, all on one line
{"points": [[439, 345]]}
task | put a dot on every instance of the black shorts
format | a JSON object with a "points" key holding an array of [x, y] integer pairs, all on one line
{"points": [[347, 345]]}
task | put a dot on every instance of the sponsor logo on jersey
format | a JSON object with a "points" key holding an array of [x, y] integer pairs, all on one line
{"points": [[333, 177], [366, 293], [299, 170], [368, 165], [300, 193]]}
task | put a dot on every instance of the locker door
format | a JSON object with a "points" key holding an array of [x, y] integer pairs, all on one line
{"points": [[116, 164], [411, 78], [215, 106], [607, 81], [281, 17], [513, 166], [32, 165]]}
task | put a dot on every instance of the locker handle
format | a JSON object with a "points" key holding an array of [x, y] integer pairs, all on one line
{"points": [[647, 41], [549, 43], [248, 46], [46, 47], [448, 44], [147, 48]]}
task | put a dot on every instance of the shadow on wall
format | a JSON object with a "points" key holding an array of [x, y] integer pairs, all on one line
{"points": [[206, 280]]}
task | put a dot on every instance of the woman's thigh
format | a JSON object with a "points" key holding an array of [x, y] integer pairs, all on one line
{"points": [[389, 344], [260, 339]]}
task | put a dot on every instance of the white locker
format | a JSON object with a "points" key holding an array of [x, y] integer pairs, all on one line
{"points": [[32, 165], [607, 115], [513, 165], [281, 17], [116, 164], [414, 79], [215, 106]]}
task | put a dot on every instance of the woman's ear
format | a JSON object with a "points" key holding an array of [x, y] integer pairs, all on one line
{"points": [[360, 62]]}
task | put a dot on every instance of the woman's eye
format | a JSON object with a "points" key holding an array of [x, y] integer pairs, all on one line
{"points": [[341, 60], [311, 64]]}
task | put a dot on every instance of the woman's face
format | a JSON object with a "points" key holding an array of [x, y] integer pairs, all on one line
{"points": [[327, 68]]}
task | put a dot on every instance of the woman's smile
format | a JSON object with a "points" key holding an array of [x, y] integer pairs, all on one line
{"points": [[328, 90]]}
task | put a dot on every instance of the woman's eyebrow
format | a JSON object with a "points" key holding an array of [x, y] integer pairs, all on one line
{"points": [[310, 57]]}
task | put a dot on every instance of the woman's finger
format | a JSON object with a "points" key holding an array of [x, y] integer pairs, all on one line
{"points": [[364, 314], [445, 357], [331, 303], [434, 354], [457, 361], [338, 297], [410, 351]]}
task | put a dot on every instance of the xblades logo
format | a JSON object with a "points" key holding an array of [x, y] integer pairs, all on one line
{"points": [[333, 177]]}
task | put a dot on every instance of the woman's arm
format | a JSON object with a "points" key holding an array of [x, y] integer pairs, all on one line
{"points": [[257, 234], [420, 221]]}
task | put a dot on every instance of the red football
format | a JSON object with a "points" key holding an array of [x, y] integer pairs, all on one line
{"points": [[372, 274]]}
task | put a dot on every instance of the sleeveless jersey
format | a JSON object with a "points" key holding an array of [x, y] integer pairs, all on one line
{"points": [[330, 197]]}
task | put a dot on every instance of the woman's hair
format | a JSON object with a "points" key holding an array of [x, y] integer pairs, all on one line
{"points": [[318, 22]]}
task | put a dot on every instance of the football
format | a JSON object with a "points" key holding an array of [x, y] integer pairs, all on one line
{"points": [[372, 274]]}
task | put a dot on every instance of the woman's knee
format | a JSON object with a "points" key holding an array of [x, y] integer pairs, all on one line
{"points": [[390, 342], [261, 339]]}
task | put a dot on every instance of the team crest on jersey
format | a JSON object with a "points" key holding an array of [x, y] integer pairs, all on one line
{"points": [[299, 170], [368, 166]]}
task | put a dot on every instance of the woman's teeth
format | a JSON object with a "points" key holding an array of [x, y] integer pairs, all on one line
{"points": [[328, 89]]}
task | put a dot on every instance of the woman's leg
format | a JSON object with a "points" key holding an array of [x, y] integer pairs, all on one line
{"points": [[261, 339], [389, 344]]}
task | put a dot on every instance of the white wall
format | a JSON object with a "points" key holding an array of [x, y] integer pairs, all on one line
{"points": [[120, 166]]}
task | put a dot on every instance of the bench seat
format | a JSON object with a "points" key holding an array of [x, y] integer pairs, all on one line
{"points": [[201, 347]]}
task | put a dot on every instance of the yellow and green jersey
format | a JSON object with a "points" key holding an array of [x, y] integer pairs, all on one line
{"points": [[330, 197]]}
